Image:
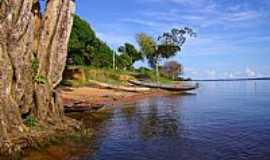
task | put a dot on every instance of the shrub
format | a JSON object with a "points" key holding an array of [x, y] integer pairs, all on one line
{"points": [[30, 121], [40, 79]]}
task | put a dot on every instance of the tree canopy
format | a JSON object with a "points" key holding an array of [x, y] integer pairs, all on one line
{"points": [[172, 69], [129, 55], [167, 45], [85, 48]]}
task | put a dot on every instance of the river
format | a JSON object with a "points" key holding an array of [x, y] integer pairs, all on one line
{"points": [[219, 121]]}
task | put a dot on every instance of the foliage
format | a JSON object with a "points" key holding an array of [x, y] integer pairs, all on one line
{"points": [[30, 121], [40, 79], [176, 36], [172, 69], [37, 77], [147, 43], [79, 48], [147, 74], [35, 65], [85, 48], [85, 73], [166, 46], [124, 62], [108, 75], [103, 56], [129, 50], [143, 69]]}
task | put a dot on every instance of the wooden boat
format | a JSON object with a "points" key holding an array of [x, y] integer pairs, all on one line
{"points": [[120, 87], [183, 86]]}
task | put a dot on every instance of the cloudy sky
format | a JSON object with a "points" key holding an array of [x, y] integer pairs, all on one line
{"points": [[233, 35]]}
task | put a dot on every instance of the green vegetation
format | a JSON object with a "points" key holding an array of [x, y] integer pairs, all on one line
{"points": [[130, 55], [31, 121], [166, 46], [82, 75], [97, 61], [150, 75], [40, 79], [85, 48], [171, 69], [34, 65]]}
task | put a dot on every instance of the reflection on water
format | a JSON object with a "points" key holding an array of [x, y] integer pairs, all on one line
{"points": [[152, 125], [76, 148], [224, 120]]}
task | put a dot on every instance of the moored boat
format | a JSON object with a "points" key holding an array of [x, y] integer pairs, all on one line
{"points": [[183, 86]]}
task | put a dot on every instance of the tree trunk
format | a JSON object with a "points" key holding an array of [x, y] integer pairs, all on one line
{"points": [[33, 50], [157, 69]]}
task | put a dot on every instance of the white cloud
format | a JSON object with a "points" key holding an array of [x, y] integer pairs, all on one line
{"points": [[250, 72], [141, 22], [205, 13], [214, 74]]}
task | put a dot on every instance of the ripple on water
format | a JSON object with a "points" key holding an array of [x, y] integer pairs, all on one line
{"points": [[222, 121]]}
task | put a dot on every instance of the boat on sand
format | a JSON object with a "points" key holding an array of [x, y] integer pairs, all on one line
{"points": [[181, 86], [120, 87]]}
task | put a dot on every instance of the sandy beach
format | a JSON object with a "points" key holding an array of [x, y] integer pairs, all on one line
{"points": [[90, 98]]}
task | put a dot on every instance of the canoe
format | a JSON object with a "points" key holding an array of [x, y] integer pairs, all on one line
{"points": [[182, 86], [120, 87]]}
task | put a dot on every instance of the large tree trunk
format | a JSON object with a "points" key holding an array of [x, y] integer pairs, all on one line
{"points": [[33, 50]]}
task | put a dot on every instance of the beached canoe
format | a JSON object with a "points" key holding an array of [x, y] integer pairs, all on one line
{"points": [[183, 86], [120, 87]]}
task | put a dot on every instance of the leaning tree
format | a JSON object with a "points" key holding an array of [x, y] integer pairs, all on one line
{"points": [[33, 50], [167, 45]]}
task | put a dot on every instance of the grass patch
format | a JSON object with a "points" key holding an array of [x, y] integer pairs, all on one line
{"points": [[82, 74]]}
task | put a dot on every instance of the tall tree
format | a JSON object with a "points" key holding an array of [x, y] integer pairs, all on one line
{"points": [[133, 54], [82, 43], [33, 51], [166, 45], [85, 48]]}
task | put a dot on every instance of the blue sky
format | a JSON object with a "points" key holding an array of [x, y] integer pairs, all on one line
{"points": [[233, 35]]}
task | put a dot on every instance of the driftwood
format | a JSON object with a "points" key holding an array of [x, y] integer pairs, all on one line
{"points": [[170, 87], [120, 87]]}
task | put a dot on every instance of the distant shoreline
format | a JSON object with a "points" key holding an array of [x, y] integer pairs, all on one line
{"points": [[234, 79]]}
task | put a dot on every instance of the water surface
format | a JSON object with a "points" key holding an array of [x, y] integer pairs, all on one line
{"points": [[220, 121]]}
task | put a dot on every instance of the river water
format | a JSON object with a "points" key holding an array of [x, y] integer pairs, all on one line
{"points": [[219, 121]]}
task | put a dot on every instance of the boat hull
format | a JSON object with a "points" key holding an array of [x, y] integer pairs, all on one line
{"points": [[168, 87]]}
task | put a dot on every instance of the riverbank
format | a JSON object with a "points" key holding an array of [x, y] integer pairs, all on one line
{"points": [[82, 99]]}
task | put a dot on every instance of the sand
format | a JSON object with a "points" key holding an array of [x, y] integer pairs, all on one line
{"points": [[90, 98]]}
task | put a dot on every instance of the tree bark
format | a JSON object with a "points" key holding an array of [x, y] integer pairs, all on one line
{"points": [[33, 50]]}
